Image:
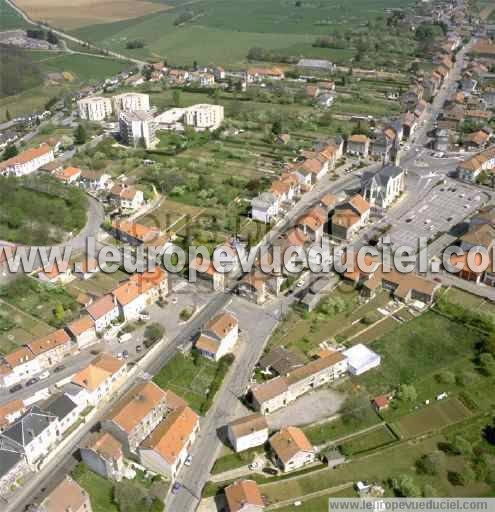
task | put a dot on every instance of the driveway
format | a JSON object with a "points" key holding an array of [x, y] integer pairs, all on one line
{"points": [[310, 408]]}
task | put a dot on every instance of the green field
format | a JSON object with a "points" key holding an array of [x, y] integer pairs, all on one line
{"points": [[376, 438], [189, 378], [433, 417], [225, 30], [9, 19], [418, 349]]}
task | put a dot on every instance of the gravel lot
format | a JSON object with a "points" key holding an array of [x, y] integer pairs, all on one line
{"points": [[309, 408]]}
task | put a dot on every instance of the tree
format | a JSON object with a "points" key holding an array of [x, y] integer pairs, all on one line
{"points": [[277, 127], [10, 151], [7, 115], [147, 72], [405, 487], [216, 96], [428, 464], [153, 333], [487, 363], [80, 135], [176, 98], [131, 496], [445, 377], [59, 312], [407, 393], [52, 38], [461, 446]]}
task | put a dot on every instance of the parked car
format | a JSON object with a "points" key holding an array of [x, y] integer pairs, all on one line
{"points": [[44, 375], [15, 388], [32, 381], [188, 460], [139, 348], [125, 354], [176, 487], [125, 337], [59, 368], [270, 471]]}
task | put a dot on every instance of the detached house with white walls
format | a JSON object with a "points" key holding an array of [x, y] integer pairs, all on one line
{"points": [[265, 207], [19, 365], [248, 432], [291, 449], [218, 337], [27, 161]]}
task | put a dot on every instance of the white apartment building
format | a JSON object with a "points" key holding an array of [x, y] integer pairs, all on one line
{"points": [[28, 161], [130, 102], [94, 108], [137, 128], [204, 116]]}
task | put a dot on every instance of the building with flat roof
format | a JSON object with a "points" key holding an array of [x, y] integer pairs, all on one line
{"points": [[204, 116], [130, 102], [137, 128], [94, 108]]}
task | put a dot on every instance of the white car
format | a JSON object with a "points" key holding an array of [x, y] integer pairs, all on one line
{"points": [[188, 460], [44, 375]]}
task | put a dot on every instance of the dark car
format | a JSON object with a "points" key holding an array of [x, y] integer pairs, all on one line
{"points": [[32, 381], [59, 368], [15, 388], [176, 488], [270, 471], [125, 354], [139, 348]]}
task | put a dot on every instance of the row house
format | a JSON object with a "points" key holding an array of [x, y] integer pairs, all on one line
{"points": [[33, 436], [95, 181], [166, 449], [258, 286], [68, 175], [265, 207], [66, 410], [19, 365], [409, 124], [135, 234], [349, 217], [10, 411], [411, 97], [68, 496], [358, 145], [130, 300], [138, 413], [13, 467], [100, 378], [420, 108], [126, 197], [103, 454], [291, 449], [52, 348], [247, 432], [312, 223], [477, 141], [385, 145], [285, 189], [280, 391], [27, 161], [218, 337], [470, 169], [257, 74], [103, 311], [432, 85]]}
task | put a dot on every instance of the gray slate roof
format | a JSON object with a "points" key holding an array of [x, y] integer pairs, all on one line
{"points": [[31, 425], [9, 456], [60, 406]]}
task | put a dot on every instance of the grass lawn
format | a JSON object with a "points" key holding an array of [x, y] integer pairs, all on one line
{"points": [[417, 349], [235, 460], [433, 417], [188, 377], [99, 284], [338, 428], [473, 302], [378, 437], [100, 489], [388, 463], [40, 300], [303, 332], [319, 504], [18, 328]]}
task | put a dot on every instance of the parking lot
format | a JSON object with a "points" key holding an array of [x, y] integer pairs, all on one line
{"points": [[441, 208]]}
